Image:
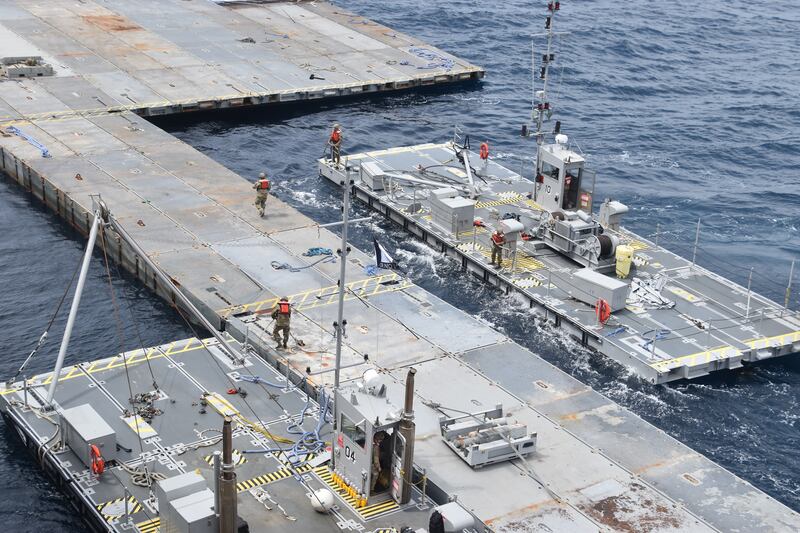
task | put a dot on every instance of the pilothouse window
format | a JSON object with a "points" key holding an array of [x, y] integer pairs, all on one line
{"points": [[549, 170], [354, 432]]}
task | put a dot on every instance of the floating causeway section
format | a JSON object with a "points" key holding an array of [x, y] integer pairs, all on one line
{"points": [[660, 344], [597, 466], [157, 57], [600, 466]]}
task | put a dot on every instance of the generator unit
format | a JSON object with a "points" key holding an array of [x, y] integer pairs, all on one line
{"points": [[579, 237], [451, 212], [374, 445]]}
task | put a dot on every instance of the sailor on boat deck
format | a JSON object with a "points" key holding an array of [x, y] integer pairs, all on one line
{"points": [[335, 142]]}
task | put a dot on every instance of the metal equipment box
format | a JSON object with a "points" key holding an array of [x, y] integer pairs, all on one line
{"points": [[82, 427], [372, 175], [177, 487], [454, 213], [190, 514], [589, 286]]}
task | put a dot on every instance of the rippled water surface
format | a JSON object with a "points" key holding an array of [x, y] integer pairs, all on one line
{"points": [[685, 109]]}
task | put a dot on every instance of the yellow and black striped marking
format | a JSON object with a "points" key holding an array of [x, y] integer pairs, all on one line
{"points": [[115, 508], [304, 458], [385, 530], [501, 201], [367, 513], [149, 526], [130, 359], [524, 263], [238, 458], [640, 261], [272, 477], [313, 298]]}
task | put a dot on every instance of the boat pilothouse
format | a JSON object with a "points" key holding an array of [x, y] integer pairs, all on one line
{"points": [[564, 187]]}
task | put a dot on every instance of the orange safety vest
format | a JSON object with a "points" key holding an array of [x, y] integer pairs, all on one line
{"points": [[263, 184], [498, 239], [484, 151], [336, 136], [284, 309]]}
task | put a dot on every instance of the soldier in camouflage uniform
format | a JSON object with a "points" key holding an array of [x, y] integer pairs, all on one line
{"points": [[282, 314]]}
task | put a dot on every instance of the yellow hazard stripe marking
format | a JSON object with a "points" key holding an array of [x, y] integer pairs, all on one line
{"points": [[714, 354], [272, 477], [501, 201], [131, 359], [238, 458], [777, 340], [149, 526], [133, 508], [139, 426], [686, 295], [524, 263], [312, 298], [369, 512]]}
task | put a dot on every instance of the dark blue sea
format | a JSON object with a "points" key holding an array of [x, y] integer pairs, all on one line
{"points": [[685, 109]]}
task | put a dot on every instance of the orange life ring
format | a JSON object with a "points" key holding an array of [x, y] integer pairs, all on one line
{"points": [[98, 463], [602, 310], [484, 151]]}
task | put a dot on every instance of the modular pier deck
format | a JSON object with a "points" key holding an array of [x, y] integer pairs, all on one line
{"points": [[597, 466], [156, 57], [715, 324], [603, 467]]}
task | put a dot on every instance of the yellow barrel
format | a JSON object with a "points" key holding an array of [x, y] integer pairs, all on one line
{"points": [[624, 259]]}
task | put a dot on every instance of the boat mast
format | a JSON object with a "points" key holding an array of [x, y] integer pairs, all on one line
{"points": [[542, 110]]}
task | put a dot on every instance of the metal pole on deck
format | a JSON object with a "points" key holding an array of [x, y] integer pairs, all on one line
{"points": [[228, 515], [696, 242], [749, 282], [340, 322], [73, 311], [217, 462], [788, 289]]}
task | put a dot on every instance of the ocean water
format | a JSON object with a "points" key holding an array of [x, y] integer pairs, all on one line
{"points": [[686, 110]]}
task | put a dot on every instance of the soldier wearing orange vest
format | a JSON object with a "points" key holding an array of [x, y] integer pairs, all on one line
{"points": [[498, 240], [262, 187], [282, 314], [335, 141]]}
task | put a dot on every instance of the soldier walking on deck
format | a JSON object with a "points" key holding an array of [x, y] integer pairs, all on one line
{"points": [[262, 187], [282, 314], [498, 240], [335, 142]]}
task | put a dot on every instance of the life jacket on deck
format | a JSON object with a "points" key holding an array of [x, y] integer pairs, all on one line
{"points": [[263, 184], [484, 151], [336, 136], [284, 308], [498, 239]]}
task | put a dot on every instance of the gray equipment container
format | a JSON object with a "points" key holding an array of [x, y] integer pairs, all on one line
{"points": [[589, 286], [81, 427], [190, 514], [178, 487], [450, 212], [372, 175]]}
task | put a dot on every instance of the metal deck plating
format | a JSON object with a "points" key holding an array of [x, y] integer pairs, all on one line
{"points": [[659, 344], [597, 465], [157, 57]]}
